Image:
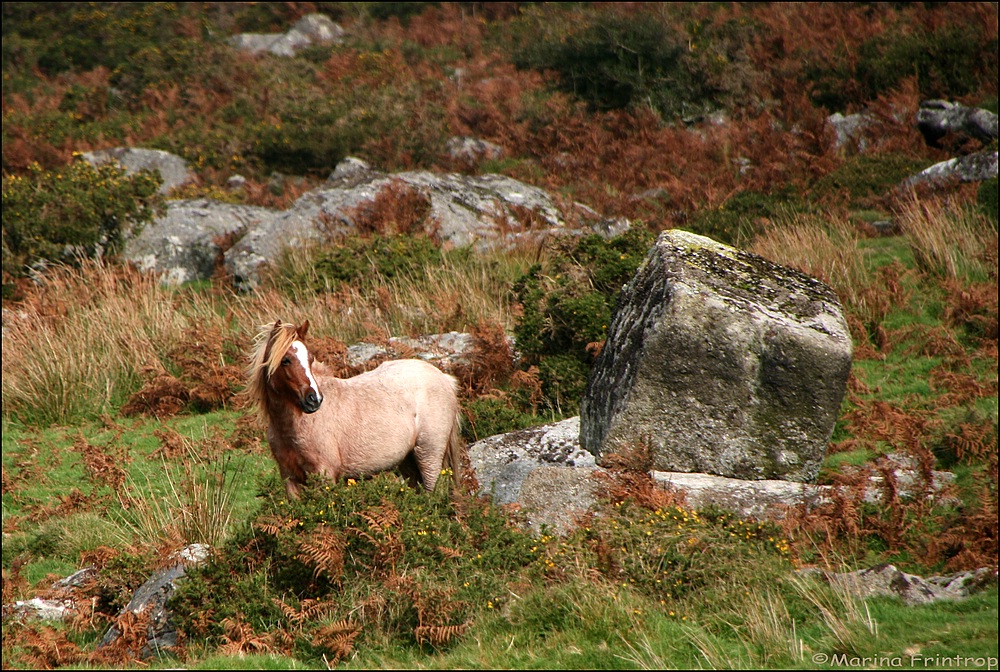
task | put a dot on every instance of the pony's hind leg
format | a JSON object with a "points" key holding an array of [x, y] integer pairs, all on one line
{"points": [[410, 470], [429, 463]]}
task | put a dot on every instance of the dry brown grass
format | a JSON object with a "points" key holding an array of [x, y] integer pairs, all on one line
{"points": [[829, 251], [88, 341], [948, 238]]}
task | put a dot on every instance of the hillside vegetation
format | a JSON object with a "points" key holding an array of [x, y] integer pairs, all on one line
{"points": [[125, 437]]}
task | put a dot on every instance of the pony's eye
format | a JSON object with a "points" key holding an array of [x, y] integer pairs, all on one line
{"points": [[286, 361]]}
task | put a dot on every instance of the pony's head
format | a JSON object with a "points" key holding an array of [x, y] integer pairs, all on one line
{"points": [[281, 369]]}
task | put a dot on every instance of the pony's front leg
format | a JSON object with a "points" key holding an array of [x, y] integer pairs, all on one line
{"points": [[292, 488]]}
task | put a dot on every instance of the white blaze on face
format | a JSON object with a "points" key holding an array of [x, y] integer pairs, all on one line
{"points": [[301, 354]]}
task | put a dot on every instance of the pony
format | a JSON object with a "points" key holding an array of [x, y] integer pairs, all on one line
{"points": [[403, 414]]}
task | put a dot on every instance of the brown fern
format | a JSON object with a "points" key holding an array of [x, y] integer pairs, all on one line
{"points": [[323, 550], [337, 639], [240, 638], [439, 635]]}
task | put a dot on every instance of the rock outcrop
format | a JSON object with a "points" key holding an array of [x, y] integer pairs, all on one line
{"points": [[172, 168], [185, 243], [151, 600], [720, 362], [969, 168], [483, 211], [886, 580], [937, 119], [544, 471], [312, 29]]}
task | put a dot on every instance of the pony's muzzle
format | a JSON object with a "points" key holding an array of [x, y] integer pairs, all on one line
{"points": [[311, 402]]}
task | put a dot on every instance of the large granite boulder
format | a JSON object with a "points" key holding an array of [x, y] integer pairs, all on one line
{"points": [[720, 362]]}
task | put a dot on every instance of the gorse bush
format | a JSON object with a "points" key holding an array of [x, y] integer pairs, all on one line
{"points": [[78, 212], [865, 179], [947, 62], [383, 560], [611, 60], [377, 564], [566, 309], [89, 35]]}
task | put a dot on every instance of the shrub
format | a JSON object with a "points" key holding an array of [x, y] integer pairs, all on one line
{"points": [[744, 215], [374, 557], [75, 36], [566, 309], [948, 63], [863, 179], [609, 59], [79, 211], [360, 261]]}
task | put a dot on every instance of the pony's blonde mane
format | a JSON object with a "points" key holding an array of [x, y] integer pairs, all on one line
{"points": [[280, 337]]}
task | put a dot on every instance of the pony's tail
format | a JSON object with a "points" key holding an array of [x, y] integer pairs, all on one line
{"points": [[453, 456]]}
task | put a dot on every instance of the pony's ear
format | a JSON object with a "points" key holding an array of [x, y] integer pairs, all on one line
{"points": [[301, 331]]}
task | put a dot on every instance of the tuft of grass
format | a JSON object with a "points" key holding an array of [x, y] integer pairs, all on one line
{"points": [[197, 507], [950, 240], [843, 613], [78, 344], [398, 286]]}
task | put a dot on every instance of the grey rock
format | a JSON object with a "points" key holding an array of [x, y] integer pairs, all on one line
{"points": [[53, 608], [40, 609], [484, 211], [546, 472], [502, 462], [966, 583], [172, 168], [472, 151], [76, 579], [349, 171], [312, 29], [938, 118], [908, 482], [720, 362], [151, 598], [850, 130], [447, 350], [554, 498], [750, 499], [182, 244], [969, 168], [887, 580]]}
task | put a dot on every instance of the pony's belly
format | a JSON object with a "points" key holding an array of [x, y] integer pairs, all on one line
{"points": [[371, 459]]}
